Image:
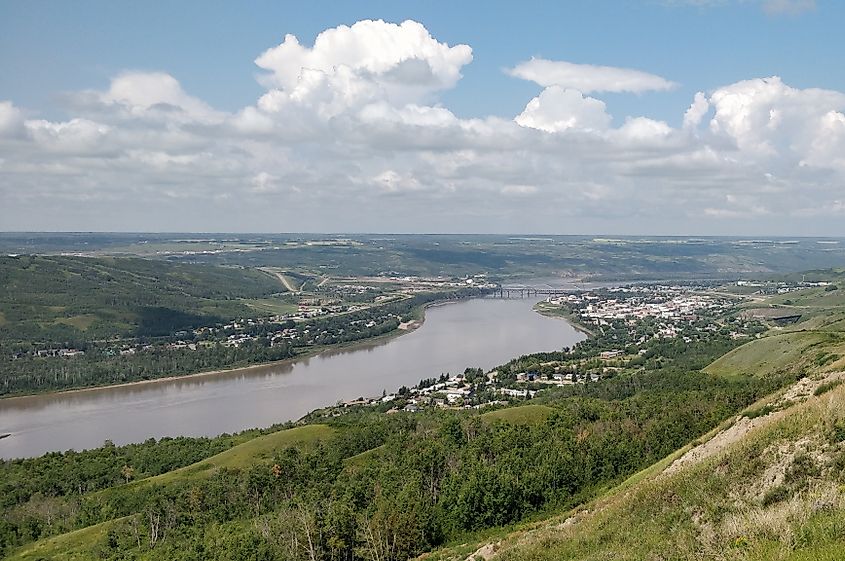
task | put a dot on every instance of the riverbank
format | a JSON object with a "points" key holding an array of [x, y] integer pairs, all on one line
{"points": [[560, 312], [419, 318], [476, 332]]}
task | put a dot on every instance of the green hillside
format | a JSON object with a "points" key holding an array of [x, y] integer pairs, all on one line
{"points": [[782, 352], [765, 488], [259, 449], [59, 298], [768, 484]]}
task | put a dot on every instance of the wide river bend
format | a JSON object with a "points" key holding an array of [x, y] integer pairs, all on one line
{"points": [[481, 332]]}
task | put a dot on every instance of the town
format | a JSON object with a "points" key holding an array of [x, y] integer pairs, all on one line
{"points": [[630, 325]]}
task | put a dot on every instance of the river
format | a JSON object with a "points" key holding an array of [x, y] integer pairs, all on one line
{"points": [[482, 332]]}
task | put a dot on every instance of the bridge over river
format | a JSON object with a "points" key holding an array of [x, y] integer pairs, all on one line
{"points": [[527, 291]]}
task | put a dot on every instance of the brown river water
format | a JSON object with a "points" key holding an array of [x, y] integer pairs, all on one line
{"points": [[473, 333]]}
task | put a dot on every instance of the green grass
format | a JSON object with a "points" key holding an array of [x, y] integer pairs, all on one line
{"points": [[81, 322], [826, 387], [364, 458], [263, 447], [78, 545], [521, 415], [271, 306], [58, 298], [779, 352], [250, 452], [73, 546], [811, 298]]}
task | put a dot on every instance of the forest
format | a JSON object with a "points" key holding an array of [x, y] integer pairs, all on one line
{"points": [[370, 485]]}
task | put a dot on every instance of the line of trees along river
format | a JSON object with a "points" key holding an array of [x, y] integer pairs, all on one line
{"points": [[100, 365]]}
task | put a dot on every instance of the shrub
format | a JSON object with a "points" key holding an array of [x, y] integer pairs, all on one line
{"points": [[760, 411], [826, 387], [775, 495]]}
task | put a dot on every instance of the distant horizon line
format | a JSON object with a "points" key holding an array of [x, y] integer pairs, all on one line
{"points": [[750, 237]]}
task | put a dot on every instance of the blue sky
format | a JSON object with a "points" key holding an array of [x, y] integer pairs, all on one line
{"points": [[61, 65], [50, 47]]}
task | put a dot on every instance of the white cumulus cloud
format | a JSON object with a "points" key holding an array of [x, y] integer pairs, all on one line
{"points": [[766, 117], [370, 60], [11, 120], [589, 78], [557, 109], [155, 95]]}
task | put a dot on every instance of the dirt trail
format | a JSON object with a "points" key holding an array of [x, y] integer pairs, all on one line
{"points": [[286, 281]]}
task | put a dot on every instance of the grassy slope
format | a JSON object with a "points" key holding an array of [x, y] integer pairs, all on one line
{"points": [[522, 415], [59, 298], [73, 546], [817, 342], [776, 493], [768, 355], [78, 545], [250, 452]]}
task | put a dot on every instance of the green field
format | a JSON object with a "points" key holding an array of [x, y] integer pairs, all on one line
{"points": [[811, 298], [630, 257], [815, 344], [73, 546], [520, 415], [274, 306]]}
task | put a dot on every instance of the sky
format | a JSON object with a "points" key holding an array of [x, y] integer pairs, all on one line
{"points": [[660, 117]]}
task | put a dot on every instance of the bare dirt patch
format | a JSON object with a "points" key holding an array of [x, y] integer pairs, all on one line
{"points": [[796, 393]]}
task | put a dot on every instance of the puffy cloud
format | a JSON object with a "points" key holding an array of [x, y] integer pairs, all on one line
{"points": [[639, 130], [348, 137], [77, 136], [826, 148], [557, 109], [11, 120], [697, 110], [767, 118], [353, 65], [588, 78], [146, 94]]}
